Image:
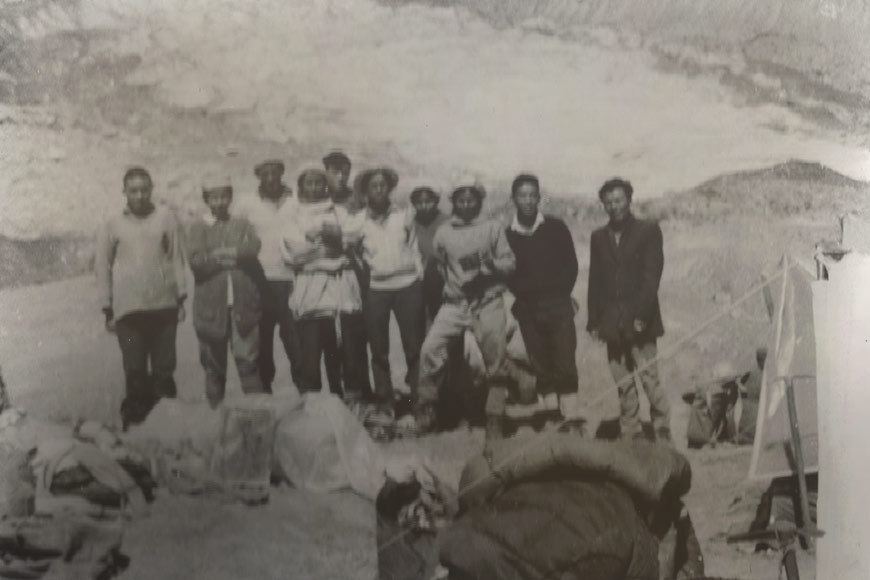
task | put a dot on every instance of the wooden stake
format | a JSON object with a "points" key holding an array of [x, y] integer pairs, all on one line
{"points": [[805, 522]]}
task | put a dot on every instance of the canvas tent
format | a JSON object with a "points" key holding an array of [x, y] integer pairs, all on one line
{"points": [[791, 357], [842, 321]]}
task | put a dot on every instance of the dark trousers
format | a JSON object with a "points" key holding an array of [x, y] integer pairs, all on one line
{"points": [[147, 339], [350, 358], [455, 402], [275, 294], [213, 357], [407, 305], [433, 287], [551, 343], [333, 357]]}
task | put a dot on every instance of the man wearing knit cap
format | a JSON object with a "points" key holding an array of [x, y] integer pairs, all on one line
{"points": [[475, 259], [542, 284], [222, 250], [268, 212]]}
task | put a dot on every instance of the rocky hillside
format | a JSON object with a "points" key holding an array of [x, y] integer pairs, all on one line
{"points": [[815, 49], [445, 91]]}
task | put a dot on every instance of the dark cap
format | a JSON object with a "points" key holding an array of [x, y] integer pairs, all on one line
{"points": [[336, 158]]}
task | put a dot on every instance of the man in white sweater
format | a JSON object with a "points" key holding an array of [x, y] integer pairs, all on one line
{"points": [[326, 301], [389, 250], [269, 211]]}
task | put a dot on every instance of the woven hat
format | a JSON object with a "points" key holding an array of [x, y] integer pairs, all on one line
{"points": [[361, 182]]}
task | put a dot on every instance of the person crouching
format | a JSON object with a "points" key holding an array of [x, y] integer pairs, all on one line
{"points": [[222, 251], [326, 300]]}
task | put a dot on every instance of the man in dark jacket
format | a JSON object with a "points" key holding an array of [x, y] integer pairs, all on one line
{"points": [[625, 268], [542, 284], [226, 301]]}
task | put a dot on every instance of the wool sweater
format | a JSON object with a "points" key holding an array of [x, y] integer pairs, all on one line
{"points": [[269, 218], [426, 237], [546, 263], [389, 249], [139, 263], [474, 258]]}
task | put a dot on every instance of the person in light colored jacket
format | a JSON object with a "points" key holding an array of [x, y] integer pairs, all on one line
{"points": [[326, 301], [141, 276], [394, 264], [268, 211]]}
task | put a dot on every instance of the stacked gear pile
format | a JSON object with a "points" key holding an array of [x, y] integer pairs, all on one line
{"points": [[573, 508], [224, 455], [61, 547], [64, 502], [411, 510], [725, 408]]}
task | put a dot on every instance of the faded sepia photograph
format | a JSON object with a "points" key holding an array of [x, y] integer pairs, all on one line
{"points": [[434, 289]]}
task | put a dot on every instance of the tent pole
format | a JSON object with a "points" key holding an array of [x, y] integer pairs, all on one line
{"points": [[805, 523]]}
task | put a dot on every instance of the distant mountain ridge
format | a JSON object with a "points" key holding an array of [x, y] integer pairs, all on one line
{"points": [[783, 190]]}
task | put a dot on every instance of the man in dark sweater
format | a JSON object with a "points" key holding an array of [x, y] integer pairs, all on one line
{"points": [[542, 284]]}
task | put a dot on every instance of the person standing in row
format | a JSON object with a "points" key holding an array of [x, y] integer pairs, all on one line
{"points": [[141, 275], [389, 250], [625, 268], [457, 379], [427, 219], [542, 284], [326, 300], [337, 166], [475, 259], [226, 300], [268, 212]]}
